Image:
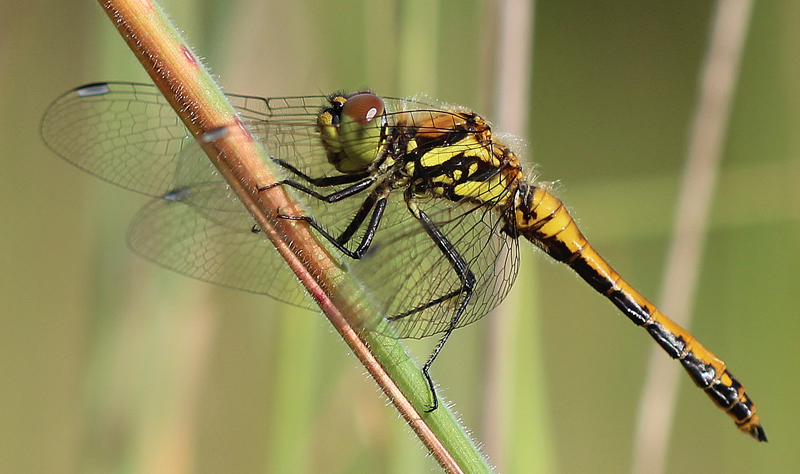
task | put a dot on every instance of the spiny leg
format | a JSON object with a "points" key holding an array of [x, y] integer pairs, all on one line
{"points": [[425, 306], [339, 243], [325, 181], [372, 203], [467, 287], [328, 198], [358, 219]]}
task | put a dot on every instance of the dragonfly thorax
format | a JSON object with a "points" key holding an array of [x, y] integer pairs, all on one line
{"points": [[453, 155]]}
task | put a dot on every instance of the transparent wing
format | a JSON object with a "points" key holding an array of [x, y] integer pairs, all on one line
{"points": [[213, 244], [126, 134], [129, 135]]}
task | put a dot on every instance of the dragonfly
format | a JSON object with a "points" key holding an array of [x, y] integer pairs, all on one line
{"points": [[419, 201]]}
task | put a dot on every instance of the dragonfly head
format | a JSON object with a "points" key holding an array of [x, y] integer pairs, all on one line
{"points": [[353, 130]]}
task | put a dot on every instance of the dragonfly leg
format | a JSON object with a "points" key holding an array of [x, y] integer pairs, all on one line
{"points": [[324, 181], [467, 287], [329, 198], [427, 305], [369, 234], [358, 220], [362, 182]]}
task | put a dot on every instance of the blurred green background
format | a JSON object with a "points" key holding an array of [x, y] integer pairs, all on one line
{"points": [[109, 363]]}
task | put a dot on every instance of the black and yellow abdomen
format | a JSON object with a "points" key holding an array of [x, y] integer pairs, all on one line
{"points": [[543, 219]]}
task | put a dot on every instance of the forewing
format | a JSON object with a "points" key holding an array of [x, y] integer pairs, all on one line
{"points": [[124, 133], [129, 135]]}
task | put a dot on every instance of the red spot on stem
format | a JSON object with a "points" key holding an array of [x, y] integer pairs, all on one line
{"points": [[189, 56], [245, 132]]}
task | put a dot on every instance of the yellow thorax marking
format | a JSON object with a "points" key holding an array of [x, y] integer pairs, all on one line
{"points": [[469, 146], [494, 190]]}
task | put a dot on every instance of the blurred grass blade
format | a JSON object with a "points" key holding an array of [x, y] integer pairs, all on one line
{"points": [[717, 86]]}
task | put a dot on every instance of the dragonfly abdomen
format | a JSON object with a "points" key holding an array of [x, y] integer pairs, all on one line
{"points": [[542, 218]]}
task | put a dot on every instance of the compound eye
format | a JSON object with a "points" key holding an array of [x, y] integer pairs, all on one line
{"points": [[363, 107]]}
